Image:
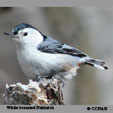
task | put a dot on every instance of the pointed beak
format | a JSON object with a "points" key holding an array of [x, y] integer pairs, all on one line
{"points": [[10, 35]]}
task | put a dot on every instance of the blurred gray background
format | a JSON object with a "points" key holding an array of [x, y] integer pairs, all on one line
{"points": [[88, 29]]}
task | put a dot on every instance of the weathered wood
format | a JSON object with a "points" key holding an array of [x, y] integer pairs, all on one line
{"points": [[44, 92]]}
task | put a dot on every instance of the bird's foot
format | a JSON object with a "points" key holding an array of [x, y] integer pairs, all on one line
{"points": [[38, 78], [61, 81]]}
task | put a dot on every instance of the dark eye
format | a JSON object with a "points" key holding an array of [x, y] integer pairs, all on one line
{"points": [[25, 34]]}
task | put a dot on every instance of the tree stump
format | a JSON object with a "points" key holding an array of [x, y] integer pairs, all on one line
{"points": [[44, 92]]}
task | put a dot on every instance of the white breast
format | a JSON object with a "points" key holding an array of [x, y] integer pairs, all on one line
{"points": [[34, 62]]}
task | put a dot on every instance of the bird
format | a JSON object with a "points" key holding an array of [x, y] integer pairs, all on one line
{"points": [[42, 56]]}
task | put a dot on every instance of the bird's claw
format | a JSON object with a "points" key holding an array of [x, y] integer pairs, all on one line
{"points": [[60, 80]]}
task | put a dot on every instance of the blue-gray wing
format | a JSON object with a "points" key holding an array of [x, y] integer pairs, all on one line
{"points": [[50, 45]]}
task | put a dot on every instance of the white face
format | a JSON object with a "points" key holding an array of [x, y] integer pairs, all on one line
{"points": [[28, 36]]}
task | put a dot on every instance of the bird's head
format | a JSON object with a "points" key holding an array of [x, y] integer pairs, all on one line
{"points": [[26, 34]]}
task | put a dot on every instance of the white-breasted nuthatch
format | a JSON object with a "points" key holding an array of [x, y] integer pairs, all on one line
{"points": [[41, 56]]}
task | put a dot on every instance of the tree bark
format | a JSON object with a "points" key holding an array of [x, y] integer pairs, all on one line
{"points": [[44, 92]]}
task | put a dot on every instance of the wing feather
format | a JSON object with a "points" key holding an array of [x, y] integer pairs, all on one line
{"points": [[50, 45]]}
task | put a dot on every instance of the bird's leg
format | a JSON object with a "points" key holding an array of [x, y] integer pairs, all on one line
{"points": [[38, 78], [62, 81], [51, 77]]}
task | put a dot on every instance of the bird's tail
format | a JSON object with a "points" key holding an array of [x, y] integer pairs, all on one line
{"points": [[96, 63]]}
